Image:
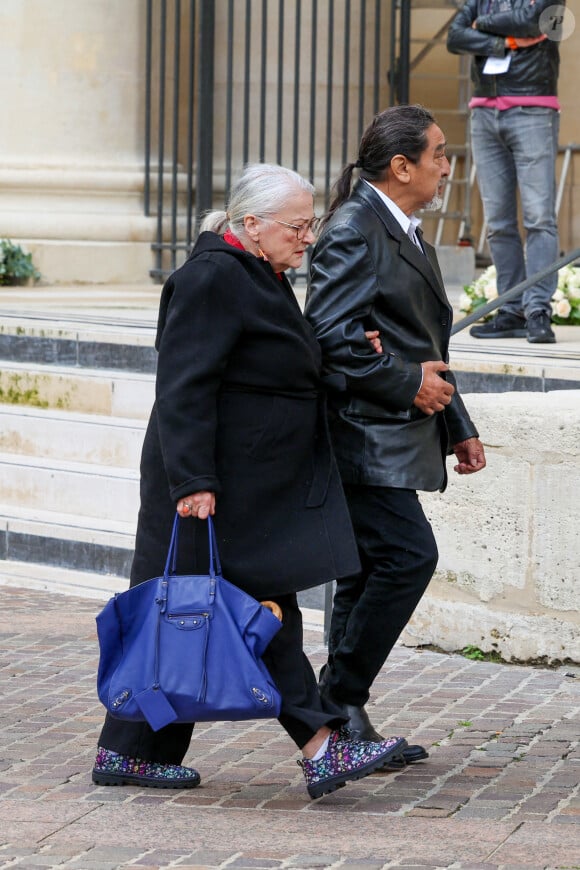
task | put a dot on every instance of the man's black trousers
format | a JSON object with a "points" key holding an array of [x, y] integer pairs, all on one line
{"points": [[398, 555]]}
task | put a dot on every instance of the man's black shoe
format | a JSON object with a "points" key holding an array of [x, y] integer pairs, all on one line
{"points": [[503, 325], [359, 724], [539, 329], [361, 728]]}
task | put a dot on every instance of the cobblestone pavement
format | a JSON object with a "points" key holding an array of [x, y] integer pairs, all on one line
{"points": [[500, 789]]}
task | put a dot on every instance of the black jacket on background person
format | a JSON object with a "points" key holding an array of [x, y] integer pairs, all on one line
{"points": [[238, 411], [387, 284], [533, 71]]}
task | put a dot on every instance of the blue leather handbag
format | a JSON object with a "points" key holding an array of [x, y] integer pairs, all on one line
{"points": [[186, 648]]}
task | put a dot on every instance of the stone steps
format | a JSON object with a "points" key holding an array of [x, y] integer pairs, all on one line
{"points": [[76, 389], [66, 541], [64, 581], [69, 491], [84, 438], [102, 492], [69, 498], [105, 392], [75, 394], [515, 365], [78, 340]]}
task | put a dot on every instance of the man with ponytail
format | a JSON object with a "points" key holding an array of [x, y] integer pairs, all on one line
{"points": [[393, 416]]}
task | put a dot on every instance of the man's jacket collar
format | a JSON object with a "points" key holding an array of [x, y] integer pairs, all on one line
{"points": [[425, 263]]}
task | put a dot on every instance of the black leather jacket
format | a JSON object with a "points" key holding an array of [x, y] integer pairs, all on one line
{"points": [[533, 71], [367, 274]]}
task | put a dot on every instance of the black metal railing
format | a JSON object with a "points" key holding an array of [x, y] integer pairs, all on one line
{"points": [[229, 82]]}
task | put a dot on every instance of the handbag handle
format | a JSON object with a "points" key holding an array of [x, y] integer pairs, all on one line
{"points": [[214, 556]]}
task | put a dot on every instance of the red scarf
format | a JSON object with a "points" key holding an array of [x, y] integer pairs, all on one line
{"points": [[233, 240], [235, 243]]}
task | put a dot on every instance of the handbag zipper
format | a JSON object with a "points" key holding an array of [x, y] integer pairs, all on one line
{"points": [[188, 615]]}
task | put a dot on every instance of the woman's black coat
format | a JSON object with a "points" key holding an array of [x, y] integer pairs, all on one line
{"points": [[238, 411]]}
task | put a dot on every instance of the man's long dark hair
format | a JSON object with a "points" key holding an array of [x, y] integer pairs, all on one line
{"points": [[397, 130]]}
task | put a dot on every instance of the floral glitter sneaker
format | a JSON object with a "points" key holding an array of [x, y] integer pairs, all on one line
{"points": [[114, 769], [347, 759]]}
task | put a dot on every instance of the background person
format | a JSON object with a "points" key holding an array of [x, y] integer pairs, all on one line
{"points": [[237, 431], [393, 416], [514, 138]]}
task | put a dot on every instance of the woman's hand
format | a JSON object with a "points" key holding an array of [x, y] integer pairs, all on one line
{"points": [[199, 504]]}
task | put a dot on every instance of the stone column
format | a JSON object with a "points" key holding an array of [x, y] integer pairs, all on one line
{"points": [[71, 137]]}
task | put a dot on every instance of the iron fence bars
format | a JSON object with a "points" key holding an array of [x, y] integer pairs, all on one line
{"points": [[296, 101], [162, 113], [161, 128], [345, 82], [205, 98], [147, 131], [329, 78], [313, 80], [234, 81], [228, 144], [190, 127], [247, 73], [175, 126]]}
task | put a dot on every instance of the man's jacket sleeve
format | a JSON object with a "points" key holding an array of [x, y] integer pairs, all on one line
{"points": [[459, 424], [342, 292], [523, 20], [463, 39]]}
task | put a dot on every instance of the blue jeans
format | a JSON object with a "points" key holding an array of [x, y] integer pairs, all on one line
{"points": [[513, 150]]}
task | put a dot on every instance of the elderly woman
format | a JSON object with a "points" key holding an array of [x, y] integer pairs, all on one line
{"points": [[238, 431]]}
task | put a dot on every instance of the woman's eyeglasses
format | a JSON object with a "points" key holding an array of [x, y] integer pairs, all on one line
{"points": [[301, 231]]}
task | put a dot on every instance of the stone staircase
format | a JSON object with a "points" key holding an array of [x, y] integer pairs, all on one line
{"points": [[76, 387], [74, 399]]}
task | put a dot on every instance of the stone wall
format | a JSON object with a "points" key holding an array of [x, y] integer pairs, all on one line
{"points": [[72, 153], [508, 578]]}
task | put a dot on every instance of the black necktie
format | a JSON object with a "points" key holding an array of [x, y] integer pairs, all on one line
{"points": [[412, 233]]}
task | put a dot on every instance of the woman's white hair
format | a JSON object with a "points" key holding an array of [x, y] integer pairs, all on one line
{"points": [[262, 190]]}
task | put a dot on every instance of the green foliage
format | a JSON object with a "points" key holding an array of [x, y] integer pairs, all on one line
{"points": [[476, 655], [14, 396], [16, 267], [14, 390], [472, 652]]}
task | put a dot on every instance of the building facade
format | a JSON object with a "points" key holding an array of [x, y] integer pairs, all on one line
{"points": [[106, 137]]}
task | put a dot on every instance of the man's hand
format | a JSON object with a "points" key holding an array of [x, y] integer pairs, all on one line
{"points": [[524, 41], [471, 456], [373, 336], [435, 393]]}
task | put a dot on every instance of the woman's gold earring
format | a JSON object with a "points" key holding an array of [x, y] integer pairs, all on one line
{"points": [[262, 254]]}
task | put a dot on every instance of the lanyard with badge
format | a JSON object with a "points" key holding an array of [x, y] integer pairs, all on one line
{"points": [[497, 66]]}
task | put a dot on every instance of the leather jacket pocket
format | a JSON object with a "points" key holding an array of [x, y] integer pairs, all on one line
{"points": [[364, 409]]}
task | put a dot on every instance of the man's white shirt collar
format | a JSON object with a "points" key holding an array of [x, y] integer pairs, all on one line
{"points": [[405, 222]]}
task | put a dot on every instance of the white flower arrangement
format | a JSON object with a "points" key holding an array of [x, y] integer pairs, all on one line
{"points": [[565, 301]]}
